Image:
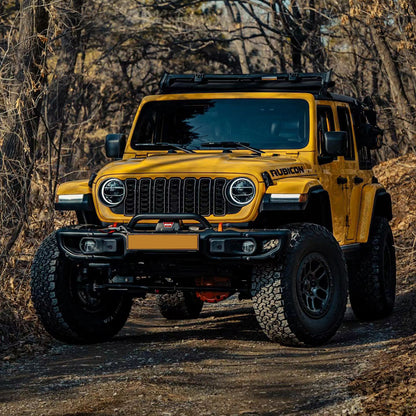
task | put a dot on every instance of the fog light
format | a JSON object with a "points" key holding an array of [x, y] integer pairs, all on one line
{"points": [[248, 247], [88, 245], [271, 244], [98, 245]]}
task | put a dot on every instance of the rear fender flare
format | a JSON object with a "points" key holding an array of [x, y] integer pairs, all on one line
{"points": [[375, 201]]}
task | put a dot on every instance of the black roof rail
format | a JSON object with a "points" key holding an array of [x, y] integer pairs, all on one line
{"points": [[316, 83]]}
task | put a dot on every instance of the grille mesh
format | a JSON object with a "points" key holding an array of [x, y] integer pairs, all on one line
{"points": [[203, 196]]}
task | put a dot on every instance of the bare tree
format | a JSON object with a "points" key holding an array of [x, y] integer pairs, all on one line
{"points": [[25, 71], [68, 24]]}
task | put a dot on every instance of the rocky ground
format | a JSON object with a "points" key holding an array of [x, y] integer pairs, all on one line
{"points": [[219, 364]]}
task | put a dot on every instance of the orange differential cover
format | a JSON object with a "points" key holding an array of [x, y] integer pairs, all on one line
{"points": [[213, 297]]}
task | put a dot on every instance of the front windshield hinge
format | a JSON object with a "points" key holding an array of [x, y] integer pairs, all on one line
{"points": [[233, 144]]}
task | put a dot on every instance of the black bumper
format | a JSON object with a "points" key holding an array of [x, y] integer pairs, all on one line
{"points": [[206, 244]]}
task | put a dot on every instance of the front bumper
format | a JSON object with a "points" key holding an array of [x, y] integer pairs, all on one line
{"points": [[202, 242]]}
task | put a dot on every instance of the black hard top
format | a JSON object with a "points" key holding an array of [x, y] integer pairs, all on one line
{"points": [[314, 83], [344, 98]]}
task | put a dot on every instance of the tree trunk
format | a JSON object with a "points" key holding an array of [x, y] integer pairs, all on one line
{"points": [[316, 49], [235, 20], [17, 152], [297, 38], [69, 19], [396, 85]]}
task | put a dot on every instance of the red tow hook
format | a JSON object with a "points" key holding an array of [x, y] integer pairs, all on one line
{"points": [[114, 225]]}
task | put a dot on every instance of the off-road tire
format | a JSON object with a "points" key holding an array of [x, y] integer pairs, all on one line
{"points": [[179, 305], [373, 278], [65, 311], [287, 309]]}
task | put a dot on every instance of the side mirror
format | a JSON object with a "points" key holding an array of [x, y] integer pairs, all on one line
{"points": [[115, 145], [335, 143]]}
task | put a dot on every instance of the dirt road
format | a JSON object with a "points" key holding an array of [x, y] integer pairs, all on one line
{"points": [[219, 364]]}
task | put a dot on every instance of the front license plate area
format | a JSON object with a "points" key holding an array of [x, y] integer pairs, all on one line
{"points": [[163, 242]]}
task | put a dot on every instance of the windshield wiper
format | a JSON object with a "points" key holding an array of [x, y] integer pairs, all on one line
{"points": [[162, 146], [233, 144]]}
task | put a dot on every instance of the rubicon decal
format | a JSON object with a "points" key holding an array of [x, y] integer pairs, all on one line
{"points": [[287, 171]]}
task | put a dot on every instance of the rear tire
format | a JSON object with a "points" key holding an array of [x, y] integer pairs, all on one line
{"points": [[65, 302], [302, 300], [179, 305], [373, 279]]}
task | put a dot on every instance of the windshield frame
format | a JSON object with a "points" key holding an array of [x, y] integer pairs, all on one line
{"points": [[309, 98]]}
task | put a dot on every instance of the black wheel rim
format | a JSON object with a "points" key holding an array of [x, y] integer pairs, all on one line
{"points": [[314, 285], [89, 300], [81, 291]]}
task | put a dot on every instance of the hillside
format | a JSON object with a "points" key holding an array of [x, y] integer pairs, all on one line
{"points": [[390, 382], [399, 177]]}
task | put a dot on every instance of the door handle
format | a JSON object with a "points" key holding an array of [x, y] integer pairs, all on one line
{"points": [[341, 180], [358, 180]]}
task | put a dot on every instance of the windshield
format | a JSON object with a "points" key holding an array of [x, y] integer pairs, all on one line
{"points": [[262, 123]]}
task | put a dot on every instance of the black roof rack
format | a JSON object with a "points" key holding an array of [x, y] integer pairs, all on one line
{"points": [[315, 83]]}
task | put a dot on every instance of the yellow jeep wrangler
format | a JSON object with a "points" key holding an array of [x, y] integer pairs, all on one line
{"points": [[253, 184]]}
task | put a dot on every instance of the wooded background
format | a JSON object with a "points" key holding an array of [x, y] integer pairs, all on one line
{"points": [[72, 71]]}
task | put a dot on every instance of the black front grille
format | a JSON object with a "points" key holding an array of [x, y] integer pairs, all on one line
{"points": [[203, 196]]}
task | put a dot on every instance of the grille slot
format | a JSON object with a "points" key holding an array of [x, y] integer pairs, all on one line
{"points": [[174, 195], [144, 196], [204, 196], [159, 195], [189, 185], [130, 201]]}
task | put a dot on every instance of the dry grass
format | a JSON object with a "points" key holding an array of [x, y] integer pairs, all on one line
{"points": [[20, 330], [389, 386]]}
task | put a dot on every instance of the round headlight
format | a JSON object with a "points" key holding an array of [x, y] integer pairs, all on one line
{"points": [[112, 192], [241, 191]]}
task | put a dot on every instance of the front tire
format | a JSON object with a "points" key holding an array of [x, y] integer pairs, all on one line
{"points": [[65, 302], [373, 279], [179, 305], [302, 300]]}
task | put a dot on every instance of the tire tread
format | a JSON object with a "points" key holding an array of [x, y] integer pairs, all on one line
{"points": [[44, 291], [272, 305], [367, 295]]}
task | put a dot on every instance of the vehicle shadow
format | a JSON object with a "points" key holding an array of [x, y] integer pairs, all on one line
{"points": [[240, 323]]}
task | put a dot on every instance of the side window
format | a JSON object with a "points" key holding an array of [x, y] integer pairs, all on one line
{"points": [[345, 125], [325, 123]]}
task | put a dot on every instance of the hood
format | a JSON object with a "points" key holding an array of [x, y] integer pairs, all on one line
{"points": [[207, 164]]}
